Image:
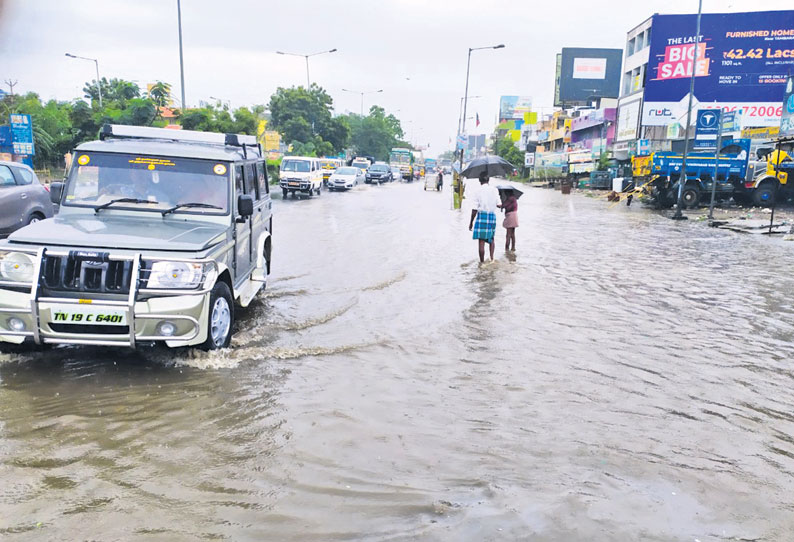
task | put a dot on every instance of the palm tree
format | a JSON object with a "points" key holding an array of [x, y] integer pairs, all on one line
{"points": [[160, 94]]}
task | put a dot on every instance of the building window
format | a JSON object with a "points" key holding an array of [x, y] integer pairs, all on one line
{"points": [[630, 47]]}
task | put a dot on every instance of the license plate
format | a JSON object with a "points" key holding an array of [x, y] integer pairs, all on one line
{"points": [[82, 314], [293, 184]]}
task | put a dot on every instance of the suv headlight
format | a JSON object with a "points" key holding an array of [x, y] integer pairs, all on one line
{"points": [[168, 275], [16, 267]]}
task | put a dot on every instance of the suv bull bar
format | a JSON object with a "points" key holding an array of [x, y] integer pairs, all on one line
{"points": [[129, 304]]}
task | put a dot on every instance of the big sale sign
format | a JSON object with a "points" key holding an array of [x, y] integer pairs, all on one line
{"points": [[741, 62]]}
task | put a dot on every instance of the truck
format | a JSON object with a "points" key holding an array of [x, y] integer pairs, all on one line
{"points": [[431, 165], [403, 159], [733, 168], [773, 169]]}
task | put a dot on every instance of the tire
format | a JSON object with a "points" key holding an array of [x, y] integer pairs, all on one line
{"points": [[284, 193], [691, 197], [220, 318], [764, 195], [35, 217]]}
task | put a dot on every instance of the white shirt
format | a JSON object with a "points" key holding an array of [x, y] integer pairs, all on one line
{"points": [[486, 199]]}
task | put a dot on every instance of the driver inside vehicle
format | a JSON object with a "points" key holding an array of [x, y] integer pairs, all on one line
{"points": [[141, 184]]}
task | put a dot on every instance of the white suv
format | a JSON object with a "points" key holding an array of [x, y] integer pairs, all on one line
{"points": [[300, 174]]}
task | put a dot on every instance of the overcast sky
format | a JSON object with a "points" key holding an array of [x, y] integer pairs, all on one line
{"points": [[415, 50]]}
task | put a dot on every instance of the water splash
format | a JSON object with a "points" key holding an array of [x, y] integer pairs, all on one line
{"points": [[385, 284]]}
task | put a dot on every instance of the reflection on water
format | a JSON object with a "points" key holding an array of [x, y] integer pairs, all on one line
{"points": [[621, 377]]}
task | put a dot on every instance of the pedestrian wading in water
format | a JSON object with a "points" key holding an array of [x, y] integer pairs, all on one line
{"points": [[484, 211], [510, 223]]}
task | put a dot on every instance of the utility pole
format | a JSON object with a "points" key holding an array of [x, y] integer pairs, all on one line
{"points": [[11, 84], [679, 215], [181, 61]]}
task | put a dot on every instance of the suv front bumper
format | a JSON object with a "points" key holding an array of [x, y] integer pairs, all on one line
{"points": [[144, 311]]}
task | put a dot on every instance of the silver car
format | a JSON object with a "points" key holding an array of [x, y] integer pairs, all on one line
{"points": [[23, 200]]}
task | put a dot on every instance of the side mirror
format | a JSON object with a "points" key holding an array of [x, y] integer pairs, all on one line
{"points": [[245, 205], [56, 191]]}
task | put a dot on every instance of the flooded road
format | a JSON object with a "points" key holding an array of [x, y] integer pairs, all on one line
{"points": [[623, 377]]}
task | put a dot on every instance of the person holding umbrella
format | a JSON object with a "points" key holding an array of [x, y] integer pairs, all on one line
{"points": [[484, 210]]}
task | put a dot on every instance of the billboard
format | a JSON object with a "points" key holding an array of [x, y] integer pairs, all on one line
{"points": [[787, 117], [514, 107], [742, 63], [557, 74], [586, 74], [628, 119]]}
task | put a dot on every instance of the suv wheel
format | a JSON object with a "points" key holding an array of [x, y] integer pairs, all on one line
{"points": [[220, 318], [35, 217]]}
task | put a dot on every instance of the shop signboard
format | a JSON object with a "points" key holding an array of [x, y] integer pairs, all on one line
{"points": [[514, 107], [529, 159], [787, 117], [743, 60], [588, 73], [706, 129], [761, 133], [643, 147], [730, 121]]}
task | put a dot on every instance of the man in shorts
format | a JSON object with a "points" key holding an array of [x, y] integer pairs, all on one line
{"points": [[484, 210]]}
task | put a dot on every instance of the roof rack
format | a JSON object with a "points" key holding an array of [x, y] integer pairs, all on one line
{"points": [[122, 131]]}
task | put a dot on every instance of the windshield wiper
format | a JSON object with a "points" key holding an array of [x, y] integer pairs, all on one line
{"points": [[184, 205], [121, 200]]}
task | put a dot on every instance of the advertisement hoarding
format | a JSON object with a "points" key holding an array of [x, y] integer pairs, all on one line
{"points": [[707, 127], [787, 116], [557, 74], [22, 135], [514, 107], [628, 119], [587, 74], [743, 60]]}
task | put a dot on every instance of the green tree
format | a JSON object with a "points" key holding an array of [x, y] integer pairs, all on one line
{"points": [[375, 134], [304, 116], [160, 94], [113, 90], [507, 150]]}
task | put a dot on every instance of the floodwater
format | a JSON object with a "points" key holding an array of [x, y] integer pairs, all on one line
{"points": [[623, 377]]}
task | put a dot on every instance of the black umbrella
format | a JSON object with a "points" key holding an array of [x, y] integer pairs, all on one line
{"points": [[507, 189], [490, 165]]}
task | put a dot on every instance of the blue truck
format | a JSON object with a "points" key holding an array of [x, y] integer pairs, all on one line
{"points": [[733, 170]]}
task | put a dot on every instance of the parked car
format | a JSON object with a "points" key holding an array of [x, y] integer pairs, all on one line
{"points": [[23, 200], [379, 173], [300, 174], [345, 178], [159, 234], [396, 173]]}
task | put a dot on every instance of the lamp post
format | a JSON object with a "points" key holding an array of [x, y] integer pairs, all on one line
{"points": [[679, 215], [308, 81], [96, 64], [362, 92], [181, 62], [459, 192]]}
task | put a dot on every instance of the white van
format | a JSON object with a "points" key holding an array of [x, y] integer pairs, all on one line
{"points": [[300, 174]]}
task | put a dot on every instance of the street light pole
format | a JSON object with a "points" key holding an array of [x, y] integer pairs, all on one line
{"points": [[96, 64], [679, 215], [460, 110], [362, 92], [308, 80], [181, 61], [457, 204]]}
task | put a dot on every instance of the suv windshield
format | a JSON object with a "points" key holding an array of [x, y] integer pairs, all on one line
{"points": [[301, 166], [379, 167], [98, 178]]}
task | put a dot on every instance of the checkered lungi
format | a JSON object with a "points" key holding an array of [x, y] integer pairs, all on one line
{"points": [[485, 226]]}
